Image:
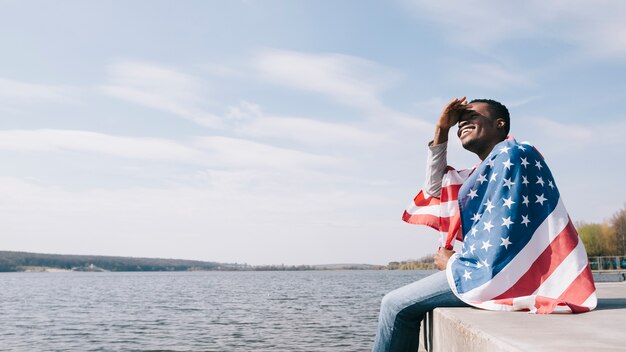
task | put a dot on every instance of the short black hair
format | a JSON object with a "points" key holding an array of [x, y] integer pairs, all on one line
{"points": [[498, 110]]}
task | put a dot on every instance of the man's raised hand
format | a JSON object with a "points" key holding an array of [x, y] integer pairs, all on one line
{"points": [[449, 117]]}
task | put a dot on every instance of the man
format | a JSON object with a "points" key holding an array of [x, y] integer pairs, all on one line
{"points": [[520, 250]]}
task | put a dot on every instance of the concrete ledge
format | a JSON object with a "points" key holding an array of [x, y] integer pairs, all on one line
{"points": [[469, 329], [609, 276]]}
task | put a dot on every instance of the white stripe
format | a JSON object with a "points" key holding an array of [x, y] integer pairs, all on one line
{"points": [[491, 305], [591, 302], [563, 276], [562, 309], [443, 210], [525, 302], [453, 177], [519, 265]]}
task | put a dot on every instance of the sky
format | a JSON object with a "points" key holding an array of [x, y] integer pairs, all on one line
{"points": [[285, 132]]}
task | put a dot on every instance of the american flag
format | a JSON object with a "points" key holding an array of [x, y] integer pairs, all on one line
{"points": [[520, 249]]}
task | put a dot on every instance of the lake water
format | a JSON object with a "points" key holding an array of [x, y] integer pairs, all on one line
{"points": [[194, 311]]}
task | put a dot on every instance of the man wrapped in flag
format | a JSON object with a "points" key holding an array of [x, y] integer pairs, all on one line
{"points": [[520, 250]]}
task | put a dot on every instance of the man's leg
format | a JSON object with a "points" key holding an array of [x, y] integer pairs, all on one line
{"points": [[402, 310]]}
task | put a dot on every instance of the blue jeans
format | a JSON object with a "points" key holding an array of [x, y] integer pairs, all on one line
{"points": [[402, 310]]}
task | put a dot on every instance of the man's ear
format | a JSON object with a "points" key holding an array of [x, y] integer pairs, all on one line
{"points": [[500, 123]]}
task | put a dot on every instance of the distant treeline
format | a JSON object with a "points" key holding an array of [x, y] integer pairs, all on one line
{"points": [[606, 238], [423, 263], [20, 261], [24, 261]]}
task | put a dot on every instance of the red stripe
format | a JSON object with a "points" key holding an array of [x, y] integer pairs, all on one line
{"points": [[576, 294], [421, 219], [450, 193], [437, 223], [580, 289], [422, 201], [546, 305], [453, 230], [545, 264]]}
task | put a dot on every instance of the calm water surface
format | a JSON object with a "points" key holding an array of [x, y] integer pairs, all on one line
{"points": [[197, 311]]}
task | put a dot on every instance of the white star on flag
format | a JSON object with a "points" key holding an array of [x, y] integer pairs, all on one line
{"points": [[525, 201], [505, 242], [472, 248], [507, 164], [467, 275], [493, 176], [481, 179], [525, 162], [540, 180], [472, 193], [508, 183], [525, 180], [508, 202], [538, 165], [474, 231], [541, 199], [489, 206], [476, 217], [490, 162], [504, 149], [551, 184], [507, 222], [485, 262], [488, 226], [486, 245], [520, 147], [525, 220]]}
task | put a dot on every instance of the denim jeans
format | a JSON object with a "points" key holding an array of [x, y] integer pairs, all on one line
{"points": [[402, 310]]}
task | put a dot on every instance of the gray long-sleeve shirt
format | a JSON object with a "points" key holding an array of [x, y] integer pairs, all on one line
{"points": [[436, 163]]}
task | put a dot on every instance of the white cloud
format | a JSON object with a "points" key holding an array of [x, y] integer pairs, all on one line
{"points": [[234, 152], [347, 79], [244, 111], [562, 138], [475, 22], [312, 132], [214, 151], [250, 120], [202, 222], [490, 76], [12, 91], [161, 88], [568, 131], [46, 140], [226, 70], [597, 27]]}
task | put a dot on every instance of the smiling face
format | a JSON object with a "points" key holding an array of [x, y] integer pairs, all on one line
{"points": [[479, 131]]}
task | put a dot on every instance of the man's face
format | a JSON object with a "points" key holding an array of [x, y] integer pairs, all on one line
{"points": [[477, 128]]}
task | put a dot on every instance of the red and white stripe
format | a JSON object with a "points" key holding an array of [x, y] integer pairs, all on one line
{"points": [[550, 274], [442, 214]]}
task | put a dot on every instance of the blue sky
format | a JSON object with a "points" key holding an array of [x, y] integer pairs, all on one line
{"points": [[290, 132]]}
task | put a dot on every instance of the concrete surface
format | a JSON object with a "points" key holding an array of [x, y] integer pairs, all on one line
{"points": [[470, 329]]}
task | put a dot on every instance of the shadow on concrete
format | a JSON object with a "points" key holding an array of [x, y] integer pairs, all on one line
{"points": [[611, 303]]}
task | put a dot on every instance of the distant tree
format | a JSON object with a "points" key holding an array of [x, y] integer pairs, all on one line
{"points": [[618, 223], [599, 239], [423, 263], [393, 265]]}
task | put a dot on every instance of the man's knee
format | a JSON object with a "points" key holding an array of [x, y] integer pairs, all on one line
{"points": [[391, 302]]}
